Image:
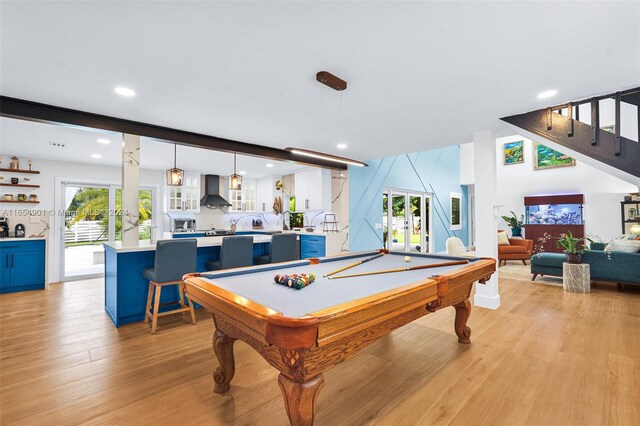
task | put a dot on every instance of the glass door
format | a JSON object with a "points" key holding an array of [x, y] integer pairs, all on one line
{"points": [[93, 217], [398, 221], [145, 214], [86, 227], [406, 221]]}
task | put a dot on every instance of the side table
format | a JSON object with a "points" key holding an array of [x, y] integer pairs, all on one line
{"points": [[576, 277]]}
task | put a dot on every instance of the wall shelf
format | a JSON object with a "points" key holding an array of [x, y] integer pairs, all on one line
{"points": [[32, 172], [19, 185], [19, 202]]}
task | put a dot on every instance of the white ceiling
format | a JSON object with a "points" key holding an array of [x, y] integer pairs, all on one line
{"points": [[421, 75], [27, 139]]}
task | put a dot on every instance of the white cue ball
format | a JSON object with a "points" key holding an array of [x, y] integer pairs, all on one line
{"points": [[407, 259]]}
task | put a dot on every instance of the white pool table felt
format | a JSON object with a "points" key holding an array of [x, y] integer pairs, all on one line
{"points": [[257, 284]]}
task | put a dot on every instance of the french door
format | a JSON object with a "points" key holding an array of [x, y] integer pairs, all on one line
{"points": [[406, 221], [91, 219]]}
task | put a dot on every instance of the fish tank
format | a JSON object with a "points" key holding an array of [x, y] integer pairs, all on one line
{"points": [[554, 214]]}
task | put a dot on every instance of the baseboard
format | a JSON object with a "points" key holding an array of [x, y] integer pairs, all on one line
{"points": [[489, 302]]}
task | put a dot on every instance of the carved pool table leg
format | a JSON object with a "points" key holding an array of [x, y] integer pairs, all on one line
{"points": [[463, 311], [223, 347], [300, 398]]}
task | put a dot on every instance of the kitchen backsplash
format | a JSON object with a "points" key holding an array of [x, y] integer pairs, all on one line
{"points": [[207, 219]]}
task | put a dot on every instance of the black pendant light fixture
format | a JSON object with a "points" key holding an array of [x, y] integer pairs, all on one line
{"points": [[235, 180], [175, 175]]}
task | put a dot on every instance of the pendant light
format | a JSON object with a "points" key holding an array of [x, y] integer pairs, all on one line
{"points": [[175, 175], [235, 180]]}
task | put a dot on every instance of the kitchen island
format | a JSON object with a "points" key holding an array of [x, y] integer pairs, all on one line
{"points": [[125, 287]]}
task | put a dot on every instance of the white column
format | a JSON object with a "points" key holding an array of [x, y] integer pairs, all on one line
{"points": [[130, 189], [486, 196]]}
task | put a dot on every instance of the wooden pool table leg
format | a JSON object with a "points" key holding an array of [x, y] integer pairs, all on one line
{"points": [[223, 347], [463, 311], [300, 398]]}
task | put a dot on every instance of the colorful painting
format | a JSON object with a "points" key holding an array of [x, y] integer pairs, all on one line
{"points": [[513, 153], [547, 158]]}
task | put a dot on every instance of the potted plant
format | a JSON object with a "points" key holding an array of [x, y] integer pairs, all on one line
{"points": [[515, 224], [573, 247]]}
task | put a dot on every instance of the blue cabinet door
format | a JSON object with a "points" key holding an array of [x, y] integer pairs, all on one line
{"points": [[22, 266], [5, 269], [27, 269]]}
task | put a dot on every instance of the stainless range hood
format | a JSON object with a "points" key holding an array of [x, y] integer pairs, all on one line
{"points": [[212, 196]]}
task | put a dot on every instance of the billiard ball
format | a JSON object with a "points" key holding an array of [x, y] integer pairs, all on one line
{"points": [[407, 259]]}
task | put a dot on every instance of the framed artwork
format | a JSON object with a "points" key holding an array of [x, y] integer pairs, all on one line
{"points": [[547, 158], [513, 153], [455, 203]]}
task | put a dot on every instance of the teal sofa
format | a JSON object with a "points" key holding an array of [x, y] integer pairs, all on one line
{"points": [[619, 267]]}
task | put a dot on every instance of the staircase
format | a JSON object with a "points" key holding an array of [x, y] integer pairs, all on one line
{"points": [[561, 124]]}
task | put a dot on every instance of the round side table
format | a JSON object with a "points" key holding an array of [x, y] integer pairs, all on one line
{"points": [[576, 277]]}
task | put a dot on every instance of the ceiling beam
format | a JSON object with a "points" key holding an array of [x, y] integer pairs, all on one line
{"points": [[51, 114]]}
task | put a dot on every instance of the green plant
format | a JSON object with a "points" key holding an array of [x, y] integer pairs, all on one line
{"points": [[513, 220], [571, 244]]}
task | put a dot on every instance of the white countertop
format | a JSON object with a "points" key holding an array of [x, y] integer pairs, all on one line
{"points": [[2, 240], [202, 242]]}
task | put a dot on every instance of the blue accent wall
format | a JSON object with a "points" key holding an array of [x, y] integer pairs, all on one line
{"points": [[435, 171]]}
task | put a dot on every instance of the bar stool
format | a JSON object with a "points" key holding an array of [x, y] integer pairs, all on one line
{"points": [[173, 259], [235, 252], [282, 249]]}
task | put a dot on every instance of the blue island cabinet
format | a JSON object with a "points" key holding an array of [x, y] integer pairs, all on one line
{"points": [[22, 265], [312, 246], [126, 289]]}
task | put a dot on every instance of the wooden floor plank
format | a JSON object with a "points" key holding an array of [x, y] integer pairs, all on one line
{"points": [[545, 357]]}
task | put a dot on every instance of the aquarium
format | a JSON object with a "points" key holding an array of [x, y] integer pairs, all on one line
{"points": [[554, 214]]}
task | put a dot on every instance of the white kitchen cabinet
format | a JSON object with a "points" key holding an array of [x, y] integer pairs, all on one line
{"points": [[266, 193], [185, 198], [243, 200], [313, 189]]}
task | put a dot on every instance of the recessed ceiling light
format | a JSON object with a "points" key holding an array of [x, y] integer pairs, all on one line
{"points": [[104, 141], [124, 91], [96, 156], [242, 172], [342, 146], [547, 94], [269, 165]]}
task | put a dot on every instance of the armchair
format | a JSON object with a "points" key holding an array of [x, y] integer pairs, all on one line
{"points": [[517, 249]]}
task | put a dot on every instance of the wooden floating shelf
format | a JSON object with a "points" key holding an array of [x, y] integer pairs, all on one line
{"points": [[32, 172], [20, 185], [19, 202]]}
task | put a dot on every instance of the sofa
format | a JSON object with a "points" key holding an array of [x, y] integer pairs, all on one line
{"points": [[616, 266]]}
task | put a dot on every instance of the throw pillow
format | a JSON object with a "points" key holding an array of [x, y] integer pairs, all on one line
{"points": [[624, 245], [503, 240]]}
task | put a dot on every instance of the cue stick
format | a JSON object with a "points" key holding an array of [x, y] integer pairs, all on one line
{"points": [[408, 268], [360, 262]]}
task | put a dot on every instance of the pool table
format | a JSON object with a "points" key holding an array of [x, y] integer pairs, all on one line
{"points": [[302, 333]]}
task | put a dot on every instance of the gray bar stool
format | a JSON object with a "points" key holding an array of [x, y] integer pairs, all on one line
{"points": [[235, 252], [282, 249], [173, 259]]}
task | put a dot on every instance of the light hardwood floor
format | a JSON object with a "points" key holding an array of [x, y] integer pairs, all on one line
{"points": [[546, 357]]}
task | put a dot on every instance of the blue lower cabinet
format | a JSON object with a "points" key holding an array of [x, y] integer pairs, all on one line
{"points": [[189, 235], [22, 265], [312, 246], [125, 297]]}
